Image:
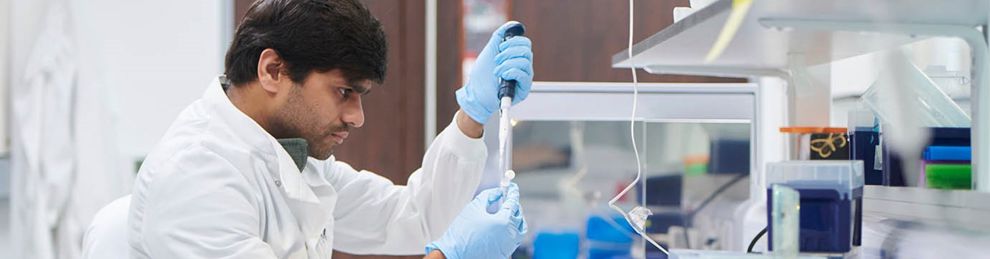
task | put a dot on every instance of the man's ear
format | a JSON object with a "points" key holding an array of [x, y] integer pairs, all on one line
{"points": [[271, 71]]}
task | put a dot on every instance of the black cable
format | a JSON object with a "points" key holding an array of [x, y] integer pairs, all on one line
{"points": [[689, 219], [715, 194], [756, 238]]}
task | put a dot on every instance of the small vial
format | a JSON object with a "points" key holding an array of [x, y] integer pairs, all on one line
{"points": [[503, 186]]}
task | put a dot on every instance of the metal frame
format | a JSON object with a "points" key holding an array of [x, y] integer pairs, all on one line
{"points": [[658, 102], [430, 86]]}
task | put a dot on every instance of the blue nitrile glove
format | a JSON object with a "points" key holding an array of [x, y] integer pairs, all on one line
{"points": [[510, 59], [475, 233]]}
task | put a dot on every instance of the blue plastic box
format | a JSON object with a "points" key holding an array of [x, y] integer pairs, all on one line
{"points": [[948, 153], [831, 202]]}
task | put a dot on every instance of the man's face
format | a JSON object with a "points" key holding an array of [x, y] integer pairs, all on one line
{"points": [[321, 110]]}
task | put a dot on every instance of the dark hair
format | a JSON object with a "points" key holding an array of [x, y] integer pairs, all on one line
{"points": [[309, 35]]}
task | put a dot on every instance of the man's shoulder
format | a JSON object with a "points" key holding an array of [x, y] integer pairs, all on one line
{"points": [[186, 163], [198, 156], [198, 135], [196, 146]]}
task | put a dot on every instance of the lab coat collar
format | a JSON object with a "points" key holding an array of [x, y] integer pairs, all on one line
{"points": [[287, 176]]}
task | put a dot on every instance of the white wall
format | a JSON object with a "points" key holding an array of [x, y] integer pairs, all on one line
{"points": [[155, 57]]}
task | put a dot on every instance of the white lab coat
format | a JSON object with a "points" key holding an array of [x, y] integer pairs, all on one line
{"points": [[43, 164], [219, 186], [64, 163]]}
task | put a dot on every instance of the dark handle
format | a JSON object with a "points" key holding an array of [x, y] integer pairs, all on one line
{"points": [[508, 87]]}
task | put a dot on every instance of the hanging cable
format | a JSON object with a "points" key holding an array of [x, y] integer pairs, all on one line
{"points": [[641, 213]]}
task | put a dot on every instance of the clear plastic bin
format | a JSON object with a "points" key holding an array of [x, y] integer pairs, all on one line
{"points": [[932, 106], [847, 174]]}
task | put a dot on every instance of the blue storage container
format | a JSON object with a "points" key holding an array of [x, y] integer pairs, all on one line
{"points": [[605, 240], [892, 170], [549, 245], [728, 156], [948, 153], [664, 190], [822, 231], [830, 198]]}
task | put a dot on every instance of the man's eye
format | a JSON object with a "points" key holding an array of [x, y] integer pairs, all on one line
{"points": [[345, 92]]}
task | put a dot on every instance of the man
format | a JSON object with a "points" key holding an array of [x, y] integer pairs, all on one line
{"points": [[231, 178]]}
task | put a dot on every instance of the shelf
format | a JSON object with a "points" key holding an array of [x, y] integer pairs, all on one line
{"points": [[766, 38], [777, 35], [953, 207]]}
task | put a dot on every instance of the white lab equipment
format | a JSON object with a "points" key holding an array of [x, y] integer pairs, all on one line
{"points": [[506, 92], [708, 254], [219, 185]]}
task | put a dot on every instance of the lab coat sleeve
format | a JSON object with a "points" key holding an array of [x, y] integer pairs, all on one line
{"points": [[374, 216], [201, 206]]}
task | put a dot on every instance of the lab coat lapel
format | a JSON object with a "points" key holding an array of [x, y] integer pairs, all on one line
{"points": [[292, 182], [310, 198]]}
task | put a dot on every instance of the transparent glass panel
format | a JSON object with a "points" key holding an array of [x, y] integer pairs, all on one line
{"points": [[695, 174]]}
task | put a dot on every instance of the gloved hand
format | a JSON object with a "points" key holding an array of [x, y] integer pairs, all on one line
{"points": [[511, 59], [475, 233]]}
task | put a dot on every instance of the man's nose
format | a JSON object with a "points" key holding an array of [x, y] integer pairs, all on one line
{"points": [[354, 113]]}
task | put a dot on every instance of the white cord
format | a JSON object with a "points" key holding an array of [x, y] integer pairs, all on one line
{"points": [[632, 135]]}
